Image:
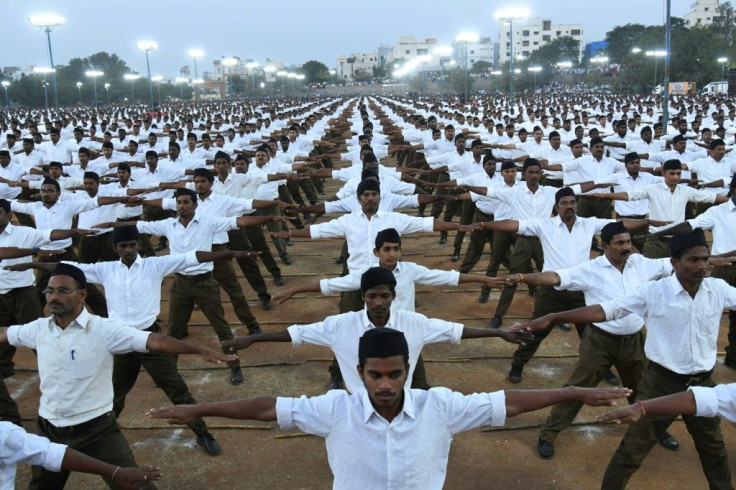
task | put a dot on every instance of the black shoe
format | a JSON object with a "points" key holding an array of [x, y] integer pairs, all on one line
{"points": [[236, 375], [255, 330], [288, 242], [564, 326], [443, 238], [495, 322], [307, 217], [286, 260], [668, 442], [336, 385], [6, 373], [277, 279], [515, 374], [730, 362], [180, 336], [545, 449], [483, 298], [611, 378], [455, 256], [266, 303], [209, 444], [420, 214]]}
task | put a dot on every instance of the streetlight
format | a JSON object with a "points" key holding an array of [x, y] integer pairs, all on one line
{"points": [[181, 81], [79, 89], [6, 84], [229, 62], [656, 54], [44, 70], [442, 52], [94, 74], [268, 70], [292, 76], [131, 78], [148, 46], [723, 61], [535, 70], [510, 14], [252, 66], [636, 50], [158, 79], [466, 38], [107, 95], [195, 54], [48, 22]]}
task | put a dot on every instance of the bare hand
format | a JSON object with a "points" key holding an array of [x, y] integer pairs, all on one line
{"points": [[238, 343], [280, 234], [216, 357], [129, 478], [538, 325], [177, 414], [82, 232], [49, 253], [469, 228], [624, 415], [19, 267], [601, 397], [108, 224], [237, 254], [495, 282], [654, 222], [511, 280], [514, 337], [282, 297], [721, 261]]}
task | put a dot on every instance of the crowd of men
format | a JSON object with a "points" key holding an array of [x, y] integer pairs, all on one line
{"points": [[594, 202]]}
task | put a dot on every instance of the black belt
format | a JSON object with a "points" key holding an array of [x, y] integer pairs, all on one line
{"points": [[83, 426], [686, 379], [633, 216], [528, 237], [195, 278], [610, 335]]}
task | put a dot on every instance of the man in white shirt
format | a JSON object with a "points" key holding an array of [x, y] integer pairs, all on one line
{"points": [[19, 446], [405, 434], [679, 357], [75, 361], [621, 344]]}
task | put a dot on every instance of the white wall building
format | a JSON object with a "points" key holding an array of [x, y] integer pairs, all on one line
{"points": [[347, 66], [408, 48], [533, 33], [702, 13], [470, 53]]}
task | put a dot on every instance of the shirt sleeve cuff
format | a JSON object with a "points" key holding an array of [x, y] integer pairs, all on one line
{"points": [[283, 413], [12, 334], [564, 280], [706, 401], [314, 231], [498, 401], [296, 338], [140, 340], [54, 457], [457, 333], [324, 287], [455, 278], [191, 258], [608, 309], [428, 224]]}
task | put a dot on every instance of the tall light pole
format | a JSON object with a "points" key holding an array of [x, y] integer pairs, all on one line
{"points": [[282, 74], [94, 74], [656, 54], [148, 46], [107, 95], [158, 79], [442, 52], [181, 81], [79, 89], [466, 38], [535, 70], [131, 77], [195, 54], [6, 84], [44, 71], [510, 14], [229, 62], [48, 22], [723, 61], [269, 70], [252, 67]]}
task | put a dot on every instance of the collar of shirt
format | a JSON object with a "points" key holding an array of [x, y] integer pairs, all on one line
{"points": [[81, 321], [368, 409], [367, 323]]}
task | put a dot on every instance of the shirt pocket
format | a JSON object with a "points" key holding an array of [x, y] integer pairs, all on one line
{"points": [[83, 365]]}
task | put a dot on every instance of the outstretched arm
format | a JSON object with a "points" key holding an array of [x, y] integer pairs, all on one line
{"points": [[589, 314], [163, 343], [127, 478], [286, 295], [507, 335], [678, 404], [521, 401], [261, 408], [239, 343]]}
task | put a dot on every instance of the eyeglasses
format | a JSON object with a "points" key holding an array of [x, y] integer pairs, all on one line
{"points": [[60, 291]]}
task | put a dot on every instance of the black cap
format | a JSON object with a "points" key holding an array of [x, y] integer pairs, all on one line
{"points": [[612, 229], [672, 165], [124, 234], [683, 241], [630, 157], [75, 273], [507, 165], [564, 192]]}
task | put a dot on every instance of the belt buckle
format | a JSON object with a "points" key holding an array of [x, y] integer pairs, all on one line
{"points": [[694, 381]]}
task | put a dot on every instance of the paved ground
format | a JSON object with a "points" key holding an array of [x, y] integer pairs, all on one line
{"points": [[257, 455]]}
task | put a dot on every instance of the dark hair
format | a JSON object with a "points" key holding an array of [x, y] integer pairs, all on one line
{"points": [[186, 192], [361, 361]]}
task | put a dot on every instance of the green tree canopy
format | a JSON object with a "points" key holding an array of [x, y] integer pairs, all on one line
{"points": [[315, 72]]}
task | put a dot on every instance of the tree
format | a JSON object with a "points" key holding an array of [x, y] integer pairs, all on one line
{"points": [[481, 67], [460, 81], [565, 48], [315, 72], [621, 40], [723, 23], [361, 75]]}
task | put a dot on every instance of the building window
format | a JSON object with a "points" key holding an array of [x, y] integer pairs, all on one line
{"points": [[524, 33], [706, 9], [407, 51], [536, 33], [546, 25], [546, 37], [472, 51], [575, 32], [525, 54], [536, 43], [559, 33], [525, 44]]}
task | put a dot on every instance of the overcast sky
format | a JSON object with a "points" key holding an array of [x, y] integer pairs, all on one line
{"points": [[292, 31]]}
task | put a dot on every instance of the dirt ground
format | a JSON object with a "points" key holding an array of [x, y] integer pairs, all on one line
{"points": [[257, 455]]}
